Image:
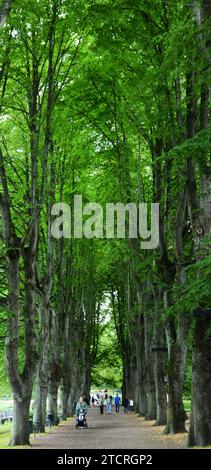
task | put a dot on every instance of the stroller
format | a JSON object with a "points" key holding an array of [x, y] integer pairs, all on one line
{"points": [[81, 421]]}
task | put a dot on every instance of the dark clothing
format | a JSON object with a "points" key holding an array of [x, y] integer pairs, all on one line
{"points": [[117, 403], [117, 400], [87, 399], [117, 407], [125, 403], [50, 419]]}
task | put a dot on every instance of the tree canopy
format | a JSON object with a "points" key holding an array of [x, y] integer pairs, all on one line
{"points": [[110, 101]]}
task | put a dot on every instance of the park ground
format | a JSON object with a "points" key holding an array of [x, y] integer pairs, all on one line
{"points": [[115, 431]]}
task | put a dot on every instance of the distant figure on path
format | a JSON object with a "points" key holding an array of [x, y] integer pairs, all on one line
{"points": [[125, 403], [101, 405], [117, 402], [87, 399], [92, 401], [108, 405]]}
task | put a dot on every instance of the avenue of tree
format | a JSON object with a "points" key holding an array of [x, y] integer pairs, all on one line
{"points": [[110, 100]]}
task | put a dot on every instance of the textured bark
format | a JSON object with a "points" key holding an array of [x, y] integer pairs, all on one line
{"points": [[41, 386], [87, 380], [21, 383], [141, 403], [22, 389], [39, 410], [149, 356], [65, 381], [52, 400], [64, 401], [54, 368], [160, 389], [200, 425], [131, 375], [20, 425], [177, 339], [4, 11], [160, 364], [74, 392], [176, 368]]}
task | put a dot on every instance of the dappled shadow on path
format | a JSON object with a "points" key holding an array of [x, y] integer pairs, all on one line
{"points": [[116, 431]]}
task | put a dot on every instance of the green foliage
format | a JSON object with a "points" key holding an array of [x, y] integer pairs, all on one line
{"points": [[195, 292], [107, 371], [118, 126]]}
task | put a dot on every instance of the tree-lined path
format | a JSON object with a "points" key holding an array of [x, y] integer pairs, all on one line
{"points": [[117, 431], [105, 124]]}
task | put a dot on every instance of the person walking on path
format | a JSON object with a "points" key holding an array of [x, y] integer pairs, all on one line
{"points": [[125, 403], [108, 405], [117, 402], [101, 405]]}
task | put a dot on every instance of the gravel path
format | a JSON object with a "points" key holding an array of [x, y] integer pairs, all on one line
{"points": [[115, 431]]}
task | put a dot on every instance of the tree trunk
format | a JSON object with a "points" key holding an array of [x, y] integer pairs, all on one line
{"points": [[41, 385], [87, 380], [141, 404], [177, 339], [41, 392], [65, 381], [124, 381], [52, 400], [149, 356], [200, 425], [160, 390], [73, 395], [20, 425], [140, 397], [131, 375], [64, 402], [39, 411], [69, 390], [160, 364], [176, 368], [54, 368], [141, 371]]}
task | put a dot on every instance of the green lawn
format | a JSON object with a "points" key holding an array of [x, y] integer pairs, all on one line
{"points": [[187, 404], [5, 431]]}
